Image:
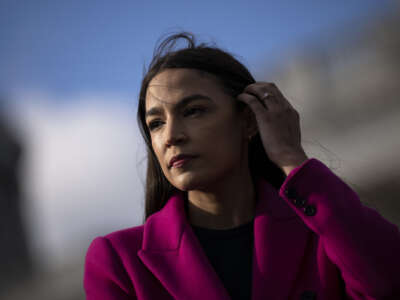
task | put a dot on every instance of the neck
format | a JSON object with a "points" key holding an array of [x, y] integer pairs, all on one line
{"points": [[228, 204]]}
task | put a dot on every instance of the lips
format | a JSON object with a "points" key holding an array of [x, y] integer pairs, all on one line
{"points": [[179, 157]]}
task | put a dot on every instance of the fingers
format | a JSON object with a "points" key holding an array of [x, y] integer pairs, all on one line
{"points": [[259, 88], [264, 104], [255, 104], [268, 92]]}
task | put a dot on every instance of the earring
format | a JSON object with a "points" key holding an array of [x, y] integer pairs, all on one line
{"points": [[251, 136]]}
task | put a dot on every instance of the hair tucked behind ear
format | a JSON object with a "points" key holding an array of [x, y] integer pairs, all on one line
{"points": [[233, 77]]}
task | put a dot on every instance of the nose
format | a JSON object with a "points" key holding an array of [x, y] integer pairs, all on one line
{"points": [[174, 133]]}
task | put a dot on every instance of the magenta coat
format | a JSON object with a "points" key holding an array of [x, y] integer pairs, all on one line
{"points": [[313, 239]]}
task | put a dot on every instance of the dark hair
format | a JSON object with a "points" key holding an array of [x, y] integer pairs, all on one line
{"points": [[232, 75]]}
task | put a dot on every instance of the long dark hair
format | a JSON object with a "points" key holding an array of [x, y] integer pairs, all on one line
{"points": [[233, 77]]}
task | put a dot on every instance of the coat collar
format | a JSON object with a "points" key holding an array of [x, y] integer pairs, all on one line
{"points": [[172, 252]]}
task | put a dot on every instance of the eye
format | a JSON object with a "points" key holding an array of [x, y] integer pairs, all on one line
{"points": [[191, 110], [153, 124]]}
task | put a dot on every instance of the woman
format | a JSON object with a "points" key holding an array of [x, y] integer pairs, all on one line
{"points": [[234, 207]]}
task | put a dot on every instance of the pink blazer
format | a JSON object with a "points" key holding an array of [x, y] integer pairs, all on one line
{"points": [[313, 239]]}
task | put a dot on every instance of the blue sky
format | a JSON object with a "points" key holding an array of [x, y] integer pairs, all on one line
{"points": [[72, 47]]}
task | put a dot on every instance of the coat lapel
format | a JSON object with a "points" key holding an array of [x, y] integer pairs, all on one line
{"points": [[280, 240], [172, 252]]}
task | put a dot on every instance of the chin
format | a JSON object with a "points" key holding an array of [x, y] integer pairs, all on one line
{"points": [[187, 182]]}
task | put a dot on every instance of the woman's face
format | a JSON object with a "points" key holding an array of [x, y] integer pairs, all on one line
{"points": [[188, 112]]}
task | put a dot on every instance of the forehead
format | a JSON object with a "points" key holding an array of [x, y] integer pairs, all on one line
{"points": [[170, 85]]}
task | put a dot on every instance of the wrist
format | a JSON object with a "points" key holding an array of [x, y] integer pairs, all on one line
{"points": [[292, 161]]}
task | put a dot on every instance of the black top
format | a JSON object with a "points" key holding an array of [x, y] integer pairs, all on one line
{"points": [[230, 252]]}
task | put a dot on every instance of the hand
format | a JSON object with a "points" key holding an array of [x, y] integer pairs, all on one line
{"points": [[278, 124]]}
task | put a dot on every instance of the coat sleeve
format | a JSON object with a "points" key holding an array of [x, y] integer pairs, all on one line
{"points": [[105, 277], [356, 238]]}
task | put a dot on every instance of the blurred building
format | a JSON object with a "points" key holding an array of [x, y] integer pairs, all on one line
{"points": [[15, 259], [20, 277], [347, 93]]}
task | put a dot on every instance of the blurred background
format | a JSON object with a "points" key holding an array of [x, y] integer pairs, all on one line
{"points": [[71, 156]]}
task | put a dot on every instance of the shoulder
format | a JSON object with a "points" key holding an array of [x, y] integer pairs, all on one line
{"points": [[121, 242], [108, 261], [132, 235]]}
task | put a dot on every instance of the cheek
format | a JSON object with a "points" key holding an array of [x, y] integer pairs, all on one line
{"points": [[219, 126], [229, 130], [157, 148], [222, 139], [157, 151]]}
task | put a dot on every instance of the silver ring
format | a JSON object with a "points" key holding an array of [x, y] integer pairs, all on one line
{"points": [[266, 95]]}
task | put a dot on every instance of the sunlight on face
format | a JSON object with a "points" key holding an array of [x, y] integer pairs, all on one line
{"points": [[188, 112]]}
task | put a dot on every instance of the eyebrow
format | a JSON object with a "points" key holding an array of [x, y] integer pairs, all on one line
{"points": [[184, 101]]}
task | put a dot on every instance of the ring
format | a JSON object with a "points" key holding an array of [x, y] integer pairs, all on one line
{"points": [[265, 96]]}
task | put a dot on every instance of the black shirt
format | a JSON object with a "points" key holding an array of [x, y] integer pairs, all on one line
{"points": [[230, 252]]}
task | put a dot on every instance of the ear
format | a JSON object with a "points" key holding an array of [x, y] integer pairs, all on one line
{"points": [[251, 126]]}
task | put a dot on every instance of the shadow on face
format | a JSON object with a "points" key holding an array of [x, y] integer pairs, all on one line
{"points": [[189, 112]]}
